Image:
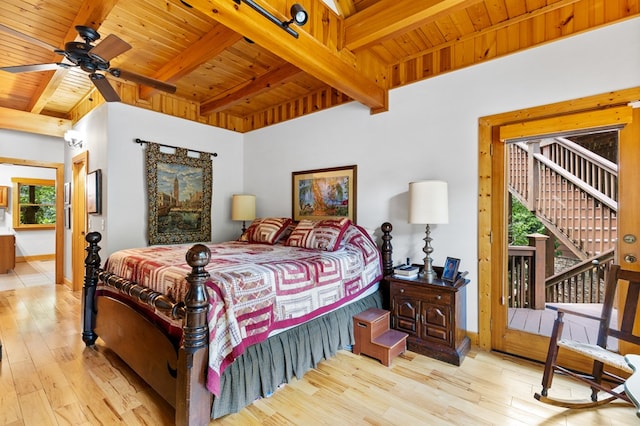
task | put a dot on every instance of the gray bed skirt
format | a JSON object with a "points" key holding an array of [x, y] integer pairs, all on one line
{"points": [[263, 367]]}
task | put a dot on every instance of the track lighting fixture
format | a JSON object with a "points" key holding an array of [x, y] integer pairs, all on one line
{"points": [[299, 16]]}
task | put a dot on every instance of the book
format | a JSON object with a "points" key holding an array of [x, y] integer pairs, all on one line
{"points": [[406, 270]]}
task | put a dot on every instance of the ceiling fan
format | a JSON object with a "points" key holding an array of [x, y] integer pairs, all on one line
{"points": [[93, 59]]}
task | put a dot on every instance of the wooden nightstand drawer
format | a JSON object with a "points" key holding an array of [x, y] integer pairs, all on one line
{"points": [[438, 298]]}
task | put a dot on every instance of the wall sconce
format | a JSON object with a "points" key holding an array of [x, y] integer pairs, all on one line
{"points": [[428, 204], [299, 16], [73, 138], [243, 207]]}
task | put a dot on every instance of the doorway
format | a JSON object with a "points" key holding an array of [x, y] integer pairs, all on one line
{"points": [[602, 111], [78, 218], [59, 229], [562, 228]]}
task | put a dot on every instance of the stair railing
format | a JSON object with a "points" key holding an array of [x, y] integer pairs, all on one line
{"points": [[545, 177], [587, 220], [526, 274], [592, 169], [582, 283]]}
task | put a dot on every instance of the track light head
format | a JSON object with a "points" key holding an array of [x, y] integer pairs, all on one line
{"points": [[299, 16]]}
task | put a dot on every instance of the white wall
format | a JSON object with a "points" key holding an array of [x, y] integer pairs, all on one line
{"points": [[113, 129], [28, 146], [430, 132]]}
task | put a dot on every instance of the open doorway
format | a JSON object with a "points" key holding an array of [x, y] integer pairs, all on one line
{"points": [[79, 164], [58, 169], [606, 111], [562, 228]]}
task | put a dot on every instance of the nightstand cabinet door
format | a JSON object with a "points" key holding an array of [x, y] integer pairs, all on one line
{"points": [[436, 323], [406, 314]]}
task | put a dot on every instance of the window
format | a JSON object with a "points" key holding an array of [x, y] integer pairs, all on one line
{"points": [[34, 203]]}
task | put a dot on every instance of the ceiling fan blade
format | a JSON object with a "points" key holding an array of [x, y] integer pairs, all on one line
{"points": [[141, 79], [109, 48], [27, 38], [34, 67], [104, 87]]}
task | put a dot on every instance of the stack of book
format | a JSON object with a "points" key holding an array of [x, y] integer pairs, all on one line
{"points": [[408, 271]]}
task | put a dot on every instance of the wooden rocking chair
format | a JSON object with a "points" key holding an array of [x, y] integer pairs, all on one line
{"points": [[601, 357]]}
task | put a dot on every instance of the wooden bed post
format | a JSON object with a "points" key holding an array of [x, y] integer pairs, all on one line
{"points": [[92, 264], [193, 400], [386, 249]]}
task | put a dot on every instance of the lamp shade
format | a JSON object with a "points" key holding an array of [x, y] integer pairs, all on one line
{"points": [[243, 207], [428, 202]]}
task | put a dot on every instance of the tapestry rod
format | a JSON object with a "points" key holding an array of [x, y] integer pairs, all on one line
{"points": [[140, 141]]}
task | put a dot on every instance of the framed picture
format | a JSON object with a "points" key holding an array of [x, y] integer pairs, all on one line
{"points": [[450, 270], [67, 217], [67, 193], [94, 195], [325, 193]]}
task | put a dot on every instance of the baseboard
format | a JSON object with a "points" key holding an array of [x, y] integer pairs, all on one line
{"points": [[474, 337], [36, 258]]}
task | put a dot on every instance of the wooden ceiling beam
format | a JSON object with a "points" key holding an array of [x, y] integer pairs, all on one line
{"points": [[209, 46], [92, 13], [305, 52], [345, 8], [13, 119], [248, 89], [389, 18]]}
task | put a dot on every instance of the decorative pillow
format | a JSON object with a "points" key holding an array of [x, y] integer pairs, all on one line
{"points": [[266, 230], [320, 235]]}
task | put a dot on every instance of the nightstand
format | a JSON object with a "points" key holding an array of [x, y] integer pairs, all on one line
{"points": [[433, 314]]}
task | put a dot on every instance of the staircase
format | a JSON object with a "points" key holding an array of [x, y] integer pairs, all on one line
{"points": [[570, 189]]}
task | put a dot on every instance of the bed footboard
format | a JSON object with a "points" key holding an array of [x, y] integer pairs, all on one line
{"points": [[192, 399]]}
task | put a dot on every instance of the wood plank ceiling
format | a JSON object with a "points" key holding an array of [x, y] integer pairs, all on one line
{"points": [[235, 69]]}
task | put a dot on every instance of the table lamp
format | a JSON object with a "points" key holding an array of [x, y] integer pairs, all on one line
{"points": [[243, 207], [428, 204]]}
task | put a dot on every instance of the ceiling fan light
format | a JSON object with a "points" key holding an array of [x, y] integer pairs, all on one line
{"points": [[298, 15]]}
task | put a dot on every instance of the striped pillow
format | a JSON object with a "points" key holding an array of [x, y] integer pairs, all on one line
{"points": [[266, 230], [321, 235]]}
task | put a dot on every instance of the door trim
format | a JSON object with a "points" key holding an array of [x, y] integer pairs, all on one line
{"points": [[492, 189], [79, 167]]}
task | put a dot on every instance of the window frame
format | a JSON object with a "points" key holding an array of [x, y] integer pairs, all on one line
{"points": [[17, 182]]}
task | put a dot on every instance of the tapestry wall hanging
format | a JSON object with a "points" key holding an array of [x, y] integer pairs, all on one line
{"points": [[179, 196]]}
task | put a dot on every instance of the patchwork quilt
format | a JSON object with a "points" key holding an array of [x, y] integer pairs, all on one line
{"points": [[256, 289]]}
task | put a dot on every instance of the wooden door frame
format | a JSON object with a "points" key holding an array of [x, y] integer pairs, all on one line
{"points": [[491, 196], [59, 230], [79, 167]]}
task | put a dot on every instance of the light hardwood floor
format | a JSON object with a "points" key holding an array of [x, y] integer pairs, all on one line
{"points": [[48, 377]]}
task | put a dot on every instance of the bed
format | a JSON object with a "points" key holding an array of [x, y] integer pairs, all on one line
{"points": [[213, 327]]}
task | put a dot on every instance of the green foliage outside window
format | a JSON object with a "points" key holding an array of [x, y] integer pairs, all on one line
{"points": [[523, 223], [35, 206]]}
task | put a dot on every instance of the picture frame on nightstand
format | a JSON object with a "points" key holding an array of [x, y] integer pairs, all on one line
{"points": [[450, 269]]}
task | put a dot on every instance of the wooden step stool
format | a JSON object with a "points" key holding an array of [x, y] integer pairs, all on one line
{"points": [[374, 338]]}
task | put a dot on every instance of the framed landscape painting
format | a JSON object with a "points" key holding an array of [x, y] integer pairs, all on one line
{"points": [[325, 193]]}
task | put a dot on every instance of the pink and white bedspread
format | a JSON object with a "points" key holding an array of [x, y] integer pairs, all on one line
{"points": [[256, 289]]}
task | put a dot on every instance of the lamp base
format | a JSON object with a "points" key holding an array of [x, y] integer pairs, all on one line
{"points": [[428, 273]]}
